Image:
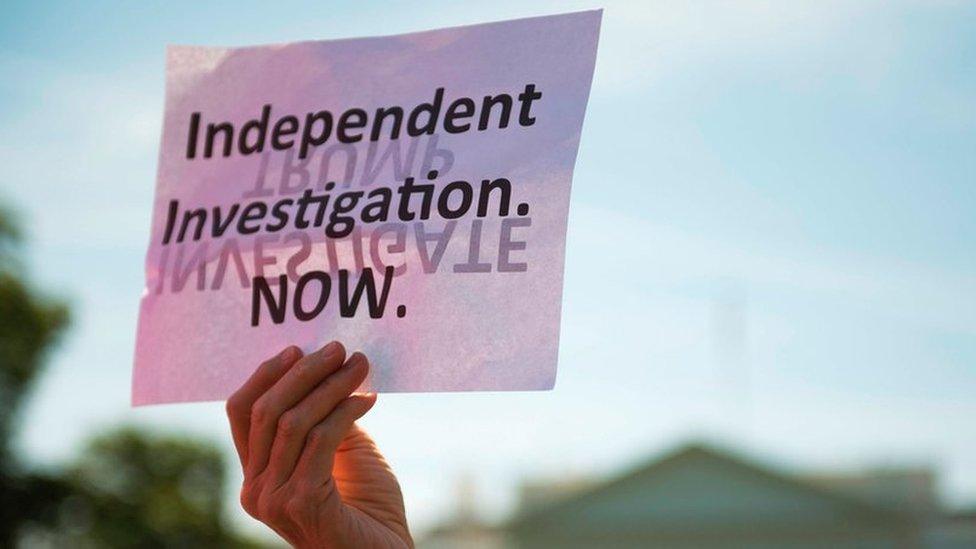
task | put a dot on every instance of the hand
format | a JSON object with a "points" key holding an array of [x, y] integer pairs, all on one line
{"points": [[310, 473]]}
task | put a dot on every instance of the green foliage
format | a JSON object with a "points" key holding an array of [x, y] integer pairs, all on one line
{"points": [[131, 489], [29, 325], [9, 237], [128, 488]]}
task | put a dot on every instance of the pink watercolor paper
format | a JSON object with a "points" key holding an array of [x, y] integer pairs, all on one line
{"points": [[480, 295]]}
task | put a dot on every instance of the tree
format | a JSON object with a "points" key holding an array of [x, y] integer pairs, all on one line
{"points": [[133, 489], [128, 488], [29, 326]]}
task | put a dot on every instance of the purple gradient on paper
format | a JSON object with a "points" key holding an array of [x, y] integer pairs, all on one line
{"points": [[462, 331]]}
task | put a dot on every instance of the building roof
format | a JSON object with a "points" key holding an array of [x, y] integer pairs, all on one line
{"points": [[700, 489]]}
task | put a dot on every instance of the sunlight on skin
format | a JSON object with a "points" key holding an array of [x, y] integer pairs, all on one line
{"points": [[310, 473]]}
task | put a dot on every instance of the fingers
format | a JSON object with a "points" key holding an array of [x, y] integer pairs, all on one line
{"points": [[295, 424], [293, 386], [239, 404], [314, 467]]}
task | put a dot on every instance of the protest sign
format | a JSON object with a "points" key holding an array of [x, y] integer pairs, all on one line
{"points": [[406, 195]]}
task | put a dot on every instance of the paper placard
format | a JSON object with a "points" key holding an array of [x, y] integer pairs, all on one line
{"points": [[406, 195]]}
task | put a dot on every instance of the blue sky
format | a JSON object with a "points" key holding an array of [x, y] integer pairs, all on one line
{"points": [[779, 198]]}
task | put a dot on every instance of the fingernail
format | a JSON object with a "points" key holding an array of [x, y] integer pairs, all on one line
{"points": [[331, 349], [356, 360], [290, 353]]}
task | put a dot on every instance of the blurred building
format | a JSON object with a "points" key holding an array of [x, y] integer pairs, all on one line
{"points": [[702, 497]]}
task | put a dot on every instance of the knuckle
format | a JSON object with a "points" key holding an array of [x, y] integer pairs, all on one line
{"points": [[289, 424], [308, 372], [267, 505], [233, 406], [295, 507], [315, 436], [321, 436], [261, 411], [249, 498]]}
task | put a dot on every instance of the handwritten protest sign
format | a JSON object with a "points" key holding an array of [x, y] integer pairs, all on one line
{"points": [[406, 195]]}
